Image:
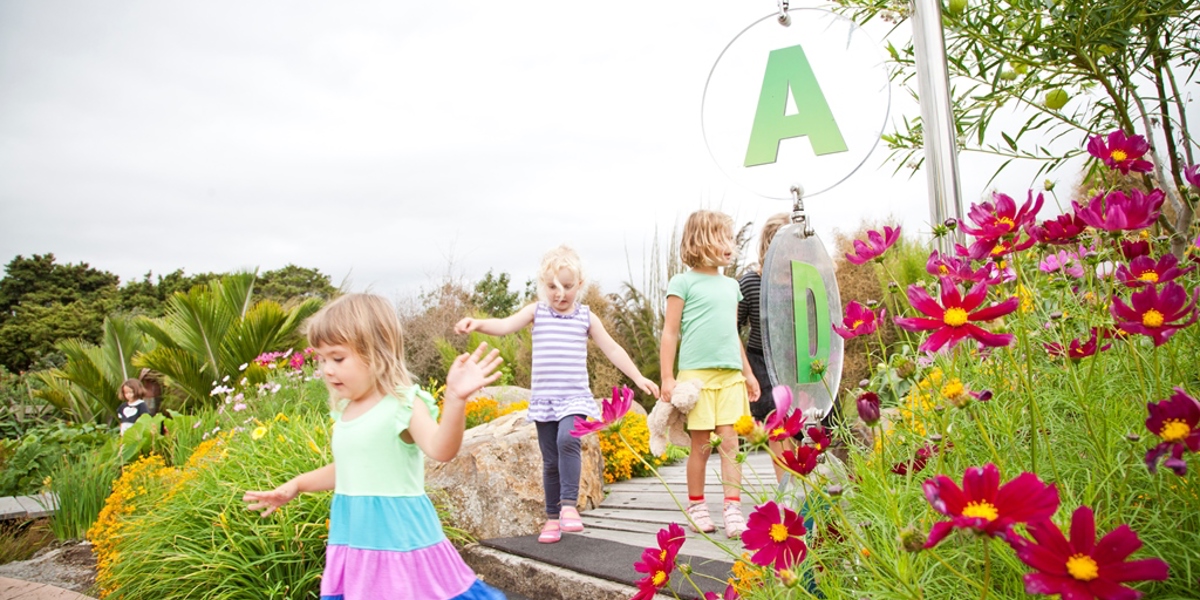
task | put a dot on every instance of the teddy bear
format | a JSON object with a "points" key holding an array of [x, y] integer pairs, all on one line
{"points": [[667, 421]]}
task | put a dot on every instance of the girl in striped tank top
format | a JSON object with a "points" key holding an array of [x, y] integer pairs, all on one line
{"points": [[561, 392]]}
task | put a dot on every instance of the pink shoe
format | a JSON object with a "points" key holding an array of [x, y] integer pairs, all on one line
{"points": [[550, 533], [735, 523], [570, 520], [699, 518]]}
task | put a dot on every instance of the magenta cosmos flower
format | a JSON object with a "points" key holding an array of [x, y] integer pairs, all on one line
{"points": [[777, 536], [1078, 349], [730, 594], [1082, 568], [1154, 314], [875, 245], [1121, 152], [1192, 175], [1143, 271], [612, 411], [657, 563], [1118, 212], [868, 408], [1174, 420], [801, 461], [779, 424], [994, 221], [1133, 249], [982, 504], [957, 269], [951, 320], [1067, 262], [919, 460], [1062, 230], [859, 320]]}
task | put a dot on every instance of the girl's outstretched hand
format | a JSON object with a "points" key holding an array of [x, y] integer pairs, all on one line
{"points": [[469, 372], [647, 386], [271, 500], [466, 325]]}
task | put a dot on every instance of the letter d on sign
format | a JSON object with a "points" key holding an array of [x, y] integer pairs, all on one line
{"points": [[788, 68], [813, 325]]}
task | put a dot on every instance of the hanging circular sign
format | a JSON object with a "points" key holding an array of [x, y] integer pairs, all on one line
{"points": [[798, 104]]}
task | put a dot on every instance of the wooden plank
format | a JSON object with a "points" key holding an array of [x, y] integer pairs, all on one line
{"points": [[11, 509], [41, 505]]}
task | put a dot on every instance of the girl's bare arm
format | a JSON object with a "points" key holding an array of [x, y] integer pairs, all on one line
{"points": [[505, 326]]}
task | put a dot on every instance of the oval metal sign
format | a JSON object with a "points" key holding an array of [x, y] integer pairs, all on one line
{"points": [[800, 304]]}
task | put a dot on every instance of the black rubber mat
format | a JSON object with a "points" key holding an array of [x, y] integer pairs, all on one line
{"points": [[613, 561]]}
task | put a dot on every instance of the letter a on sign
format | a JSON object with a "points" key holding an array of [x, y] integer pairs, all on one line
{"points": [[788, 69]]}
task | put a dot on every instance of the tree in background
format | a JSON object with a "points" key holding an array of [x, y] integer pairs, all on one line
{"points": [[493, 297], [1069, 69], [42, 302], [147, 297], [294, 284]]}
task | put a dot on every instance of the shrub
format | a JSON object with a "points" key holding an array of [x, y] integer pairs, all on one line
{"points": [[623, 458], [28, 461], [82, 484]]}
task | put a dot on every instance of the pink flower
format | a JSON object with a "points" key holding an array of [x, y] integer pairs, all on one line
{"points": [[1077, 349], [956, 269], [1067, 262], [858, 321], [1192, 175], [612, 411], [1132, 250], [1154, 314], [1121, 152], [1083, 568], [1002, 219], [951, 320], [1143, 271], [1059, 231], [778, 538], [875, 245], [1118, 212], [802, 460], [983, 505], [1174, 420], [730, 594]]}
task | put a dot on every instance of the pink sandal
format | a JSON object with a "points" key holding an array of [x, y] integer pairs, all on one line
{"points": [[550, 533], [699, 518], [570, 520], [735, 523]]}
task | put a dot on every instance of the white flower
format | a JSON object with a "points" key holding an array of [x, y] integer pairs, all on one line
{"points": [[226, 378], [272, 365], [244, 381], [196, 425], [243, 367], [239, 407], [287, 354], [276, 388]]}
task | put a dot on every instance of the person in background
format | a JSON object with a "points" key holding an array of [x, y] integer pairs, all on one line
{"points": [[135, 405]]}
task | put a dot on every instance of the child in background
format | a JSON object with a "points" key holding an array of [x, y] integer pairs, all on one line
{"points": [[748, 314], [134, 407], [385, 539], [701, 319], [561, 392]]}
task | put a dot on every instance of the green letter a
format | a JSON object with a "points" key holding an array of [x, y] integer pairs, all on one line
{"points": [[789, 68]]}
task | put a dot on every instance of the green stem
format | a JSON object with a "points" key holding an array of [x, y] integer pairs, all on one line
{"points": [[956, 572], [987, 567]]}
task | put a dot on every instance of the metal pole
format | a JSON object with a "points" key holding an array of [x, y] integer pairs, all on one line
{"points": [[941, 144]]}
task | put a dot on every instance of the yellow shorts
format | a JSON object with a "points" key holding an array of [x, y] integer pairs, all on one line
{"points": [[723, 398]]}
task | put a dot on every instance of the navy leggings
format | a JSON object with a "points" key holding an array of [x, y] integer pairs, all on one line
{"points": [[560, 463]]}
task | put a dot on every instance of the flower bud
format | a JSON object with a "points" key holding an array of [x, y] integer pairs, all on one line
{"points": [[912, 540], [1048, 185], [788, 578], [936, 438], [951, 223], [684, 568], [906, 368], [834, 490], [868, 408], [818, 367], [1133, 437]]}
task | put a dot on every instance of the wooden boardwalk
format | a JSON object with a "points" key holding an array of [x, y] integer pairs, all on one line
{"points": [[636, 509]]}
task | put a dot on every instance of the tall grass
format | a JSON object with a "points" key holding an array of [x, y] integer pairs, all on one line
{"points": [[81, 484]]}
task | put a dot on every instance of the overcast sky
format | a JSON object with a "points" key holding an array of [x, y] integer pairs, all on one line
{"points": [[389, 143]]}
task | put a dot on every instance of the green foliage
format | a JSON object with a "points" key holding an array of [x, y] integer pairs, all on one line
{"points": [[19, 410], [514, 350], [211, 332], [81, 483], [26, 462], [293, 284], [88, 386], [21, 539], [492, 296], [147, 297], [1112, 64]]}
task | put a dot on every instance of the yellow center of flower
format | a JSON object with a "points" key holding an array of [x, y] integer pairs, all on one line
{"points": [[857, 324], [779, 533], [980, 510], [943, 270], [744, 425], [659, 578], [778, 431], [1118, 155], [1152, 318], [955, 317], [1083, 567], [953, 389], [1006, 221], [662, 555], [1149, 276], [1174, 430], [999, 249]]}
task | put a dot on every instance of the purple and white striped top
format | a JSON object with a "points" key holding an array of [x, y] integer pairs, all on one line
{"points": [[560, 378]]}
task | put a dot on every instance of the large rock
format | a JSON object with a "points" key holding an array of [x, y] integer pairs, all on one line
{"points": [[494, 485]]}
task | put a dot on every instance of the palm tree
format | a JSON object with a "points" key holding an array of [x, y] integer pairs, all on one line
{"points": [[215, 330], [87, 387]]}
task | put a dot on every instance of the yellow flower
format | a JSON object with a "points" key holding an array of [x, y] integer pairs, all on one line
{"points": [[258, 432], [744, 425], [313, 445], [281, 417], [279, 438]]}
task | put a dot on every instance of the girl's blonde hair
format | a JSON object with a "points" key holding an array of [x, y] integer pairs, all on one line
{"points": [[366, 324], [562, 257], [135, 386], [706, 237], [770, 228]]}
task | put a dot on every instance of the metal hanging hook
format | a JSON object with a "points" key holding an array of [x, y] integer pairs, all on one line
{"points": [[784, 19], [798, 215]]}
